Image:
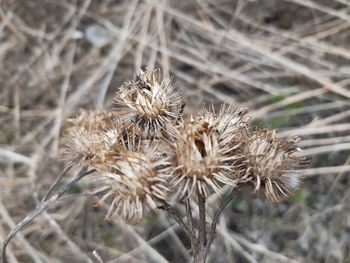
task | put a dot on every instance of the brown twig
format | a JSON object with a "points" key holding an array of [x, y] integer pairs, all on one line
{"points": [[42, 207], [190, 220], [216, 218], [57, 180], [199, 254], [189, 214], [171, 211]]}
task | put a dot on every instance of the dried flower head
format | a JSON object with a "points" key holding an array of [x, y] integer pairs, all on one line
{"points": [[91, 133], [208, 151], [271, 164], [132, 178], [151, 103]]}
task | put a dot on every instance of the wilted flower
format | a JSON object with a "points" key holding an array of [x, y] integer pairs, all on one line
{"points": [[271, 164], [132, 178], [151, 103], [91, 133], [209, 151], [145, 151], [136, 169]]}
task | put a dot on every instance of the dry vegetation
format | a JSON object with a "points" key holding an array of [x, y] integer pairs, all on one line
{"points": [[287, 60]]}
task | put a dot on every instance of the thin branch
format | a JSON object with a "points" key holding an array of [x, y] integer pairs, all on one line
{"points": [[171, 211], [190, 220], [202, 222], [216, 218], [58, 180], [42, 207], [23, 243], [199, 255], [75, 179], [189, 214]]}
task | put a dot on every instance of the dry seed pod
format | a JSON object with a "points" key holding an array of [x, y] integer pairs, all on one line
{"points": [[91, 119], [271, 164], [132, 179], [150, 102], [91, 134], [209, 151]]}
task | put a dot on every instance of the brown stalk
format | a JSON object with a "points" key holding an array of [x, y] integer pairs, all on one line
{"points": [[216, 218], [172, 213], [42, 207], [200, 245], [199, 255], [189, 218]]}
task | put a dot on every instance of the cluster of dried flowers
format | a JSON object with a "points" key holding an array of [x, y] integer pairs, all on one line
{"points": [[145, 151]]}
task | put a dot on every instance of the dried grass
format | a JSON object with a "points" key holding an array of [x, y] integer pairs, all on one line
{"points": [[287, 60]]}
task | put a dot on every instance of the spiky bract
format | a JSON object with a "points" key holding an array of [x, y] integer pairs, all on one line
{"points": [[272, 163], [91, 133], [132, 179], [150, 102], [144, 150], [208, 151]]}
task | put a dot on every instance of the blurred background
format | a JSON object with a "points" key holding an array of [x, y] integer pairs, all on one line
{"points": [[287, 60]]}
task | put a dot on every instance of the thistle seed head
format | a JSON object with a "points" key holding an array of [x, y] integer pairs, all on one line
{"points": [[91, 134], [91, 120], [151, 102], [272, 163], [208, 151], [145, 150], [132, 179]]}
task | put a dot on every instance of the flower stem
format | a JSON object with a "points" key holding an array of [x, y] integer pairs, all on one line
{"points": [[42, 207], [171, 211], [199, 255], [216, 218]]}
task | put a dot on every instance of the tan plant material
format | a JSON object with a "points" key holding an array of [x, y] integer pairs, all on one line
{"points": [[272, 164], [150, 102], [90, 134], [132, 178], [145, 152], [209, 151]]}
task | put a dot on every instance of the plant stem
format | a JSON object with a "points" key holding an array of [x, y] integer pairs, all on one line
{"points": [[199, 256], [171, 211], [189, 214], [58, 180], [202, 221], [42, 207], [200, 245], [216, 218], [190, 220]]}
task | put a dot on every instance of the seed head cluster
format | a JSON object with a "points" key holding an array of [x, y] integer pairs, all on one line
{"points": [[145, 151]]}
